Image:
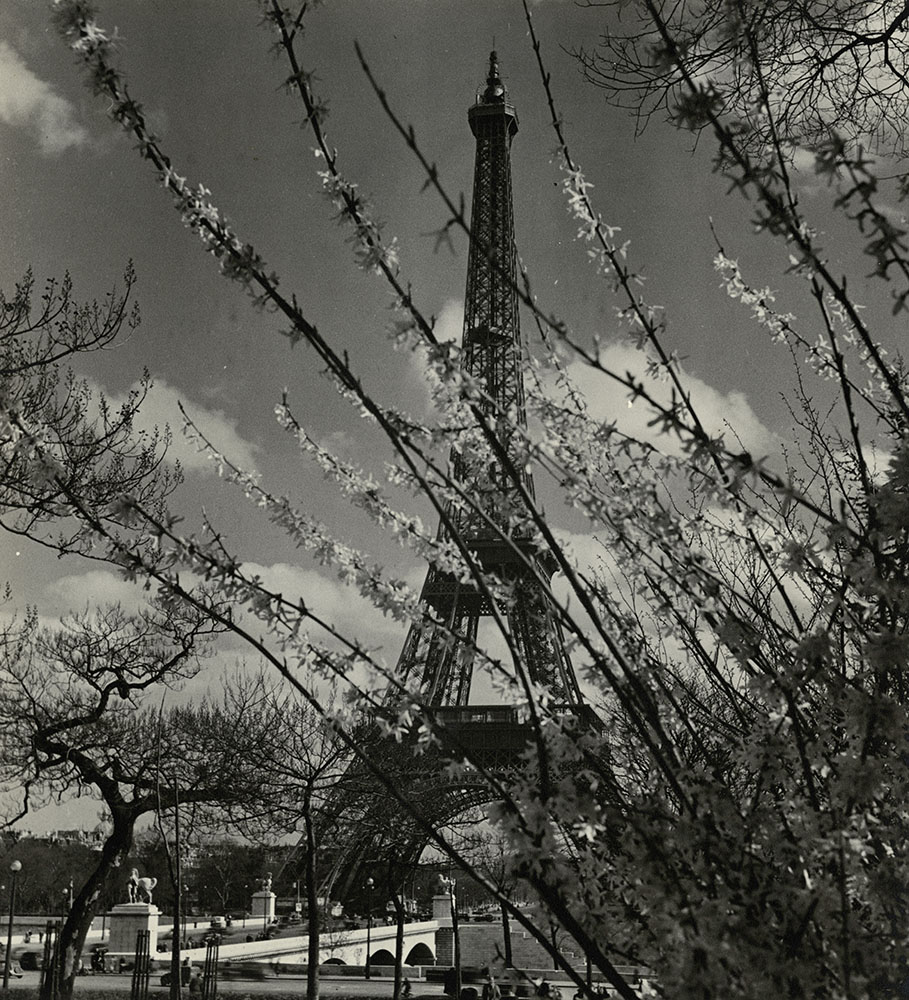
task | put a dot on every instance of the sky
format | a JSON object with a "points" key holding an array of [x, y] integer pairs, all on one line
{"points": [[75, 197]]}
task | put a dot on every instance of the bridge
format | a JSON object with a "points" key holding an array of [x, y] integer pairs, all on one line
{"points": [[339, 947], [347, 947]]}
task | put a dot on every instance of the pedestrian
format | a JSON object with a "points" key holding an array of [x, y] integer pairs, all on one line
{"points": [[491, 989]]}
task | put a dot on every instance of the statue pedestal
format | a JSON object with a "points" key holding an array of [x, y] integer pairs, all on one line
{"points": [[126, 920], [441, 909], [263, 905], [441, 913]]}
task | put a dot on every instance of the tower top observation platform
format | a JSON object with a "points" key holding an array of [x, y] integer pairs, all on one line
{"points": [[493, 101]]}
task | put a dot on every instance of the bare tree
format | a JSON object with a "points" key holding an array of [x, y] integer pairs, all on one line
{"points": [[300, 765], [72, 718], [790, 72], [84, 445]]}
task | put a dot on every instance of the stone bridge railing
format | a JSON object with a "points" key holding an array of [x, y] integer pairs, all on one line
{"points": [[347, 947]]}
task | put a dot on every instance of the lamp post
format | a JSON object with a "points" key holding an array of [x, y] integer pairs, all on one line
{"points": [[369, 884], [14, 869], [452, 886], [266, 887]]}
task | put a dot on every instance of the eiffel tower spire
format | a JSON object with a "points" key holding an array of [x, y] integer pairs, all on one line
{"points": [[492, 355]]}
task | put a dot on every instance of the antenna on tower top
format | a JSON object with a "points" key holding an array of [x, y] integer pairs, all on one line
{"points": [[495, 89]]}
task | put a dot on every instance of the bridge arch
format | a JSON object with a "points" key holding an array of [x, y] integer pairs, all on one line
{"points": [[382, 957], [420, 954]]}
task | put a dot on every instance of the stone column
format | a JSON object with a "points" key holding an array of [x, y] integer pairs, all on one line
{"points": [[441, 913]]}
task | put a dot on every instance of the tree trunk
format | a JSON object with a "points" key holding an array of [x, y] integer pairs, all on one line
{"points": [[506, 937], [312, 901], [79, 919]]}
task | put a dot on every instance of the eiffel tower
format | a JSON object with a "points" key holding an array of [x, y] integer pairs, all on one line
{"points": [[492, 355], [439, 651]]}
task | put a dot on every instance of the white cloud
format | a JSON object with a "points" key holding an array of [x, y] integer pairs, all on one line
{"points": [[450, 321], [93, 588], [160, 410], [77, 593], [727, 413], [334, 603], [449, 324], [26, 101]]}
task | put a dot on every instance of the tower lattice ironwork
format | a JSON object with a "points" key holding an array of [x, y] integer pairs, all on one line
{"points": [[439, 651], [492, 356]]}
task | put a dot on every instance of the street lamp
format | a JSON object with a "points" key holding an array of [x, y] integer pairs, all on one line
{"points": [[452, 886], [14, 870], [369, 884], [266, 887]]}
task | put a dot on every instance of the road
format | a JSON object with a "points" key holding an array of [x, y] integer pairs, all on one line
{"points": [[381, 989]]}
